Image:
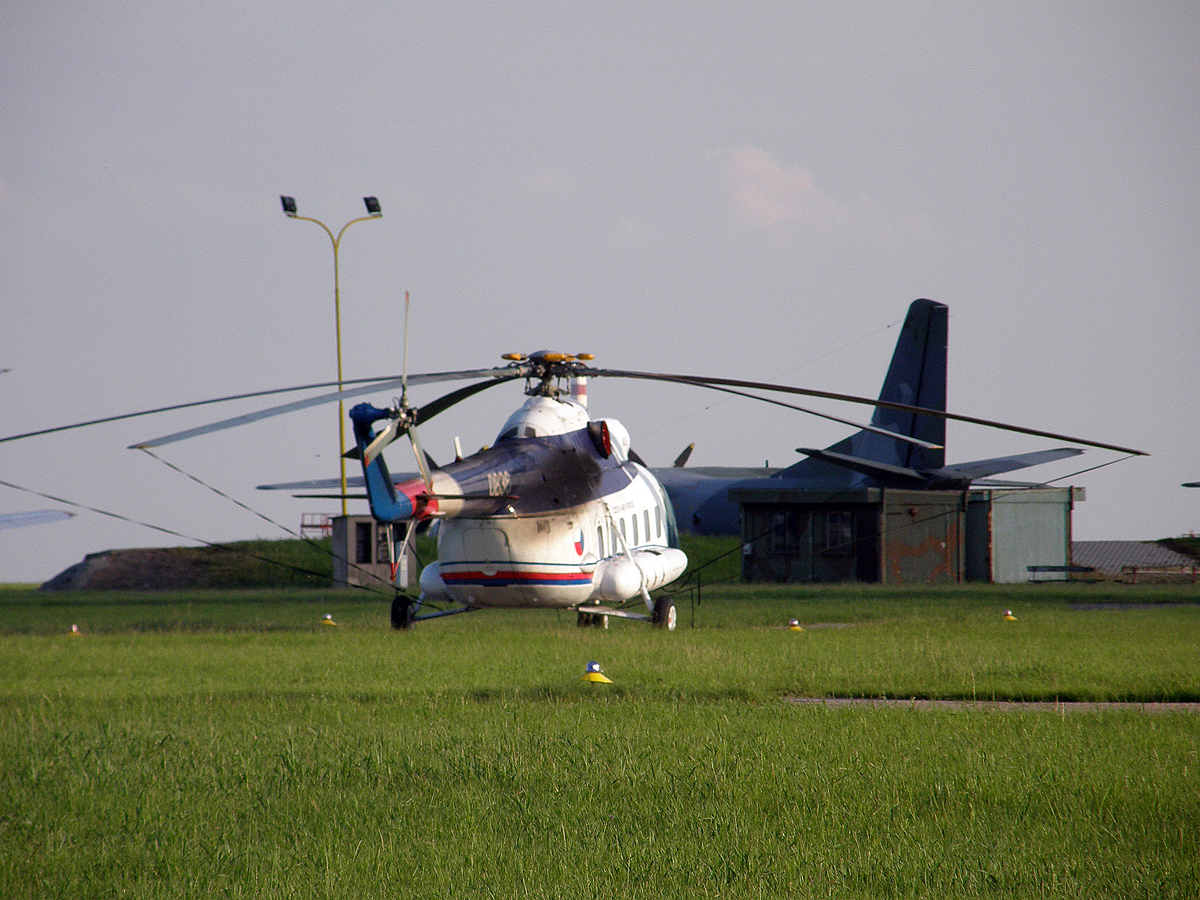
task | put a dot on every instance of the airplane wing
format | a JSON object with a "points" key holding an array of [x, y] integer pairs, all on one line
{"points": [[960, 473], [37, 517], [699, 473], [316, 484], [884, 472], [332, 484], [982, 468]]}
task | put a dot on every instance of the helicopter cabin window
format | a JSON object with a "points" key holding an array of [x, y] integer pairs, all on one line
{"points": [[600, 541], [633, 519], [646, 522], [621, 524], [658, 517]]}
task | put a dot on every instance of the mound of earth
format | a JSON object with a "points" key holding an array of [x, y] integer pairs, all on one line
{"points": [[149, 569]]}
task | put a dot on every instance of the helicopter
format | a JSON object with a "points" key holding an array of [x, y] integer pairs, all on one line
{"points": [[555, 514]]}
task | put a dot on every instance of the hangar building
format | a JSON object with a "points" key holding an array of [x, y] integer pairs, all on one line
{"points": [[893, 536]]}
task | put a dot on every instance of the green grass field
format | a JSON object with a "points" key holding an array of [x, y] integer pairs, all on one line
{"points": [[229, 744]]}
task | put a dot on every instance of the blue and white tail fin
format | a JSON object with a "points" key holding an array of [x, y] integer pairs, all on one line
{"points": [[916, 377], [386, 504]]}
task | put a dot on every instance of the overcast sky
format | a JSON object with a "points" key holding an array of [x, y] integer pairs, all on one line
{"points": [[747, 190]]}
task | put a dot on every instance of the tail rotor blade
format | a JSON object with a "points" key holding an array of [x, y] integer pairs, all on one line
{"points": [[381, 440], [422, 460]]}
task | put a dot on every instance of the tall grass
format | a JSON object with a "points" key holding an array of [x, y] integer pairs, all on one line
{"points": [[251, 751]]}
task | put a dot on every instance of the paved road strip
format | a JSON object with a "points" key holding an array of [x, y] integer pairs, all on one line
{"points": [[1003, 705]]}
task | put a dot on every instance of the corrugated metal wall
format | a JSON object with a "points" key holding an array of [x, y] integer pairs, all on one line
{"points": [[1029, 528]]}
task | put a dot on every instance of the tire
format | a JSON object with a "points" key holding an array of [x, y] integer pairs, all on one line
{"points": [[404, 613], [665, 615]]}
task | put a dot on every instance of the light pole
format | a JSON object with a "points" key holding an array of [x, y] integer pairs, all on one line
{"points": [[373, 212]]}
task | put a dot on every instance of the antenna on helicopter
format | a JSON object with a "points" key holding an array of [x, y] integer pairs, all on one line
{"points": [[404, 372], [403, 420]]}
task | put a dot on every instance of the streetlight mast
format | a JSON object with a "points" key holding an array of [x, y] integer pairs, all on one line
{"points": [[373, 212]]}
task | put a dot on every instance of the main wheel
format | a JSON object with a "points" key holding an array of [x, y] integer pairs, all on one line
{"points": [[404, 613], [664, 613]]}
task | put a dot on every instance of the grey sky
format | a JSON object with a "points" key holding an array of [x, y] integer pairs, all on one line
{"points": [[753, 190]]}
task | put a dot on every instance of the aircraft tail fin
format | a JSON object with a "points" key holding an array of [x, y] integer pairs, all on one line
{"points": [[386, 504], [917, 377]]}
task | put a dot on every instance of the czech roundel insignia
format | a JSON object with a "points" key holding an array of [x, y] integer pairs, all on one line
{"points": [[579, 542]]}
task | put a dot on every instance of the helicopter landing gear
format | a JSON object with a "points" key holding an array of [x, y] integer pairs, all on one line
{"points": [[404, 612], [591, 620], [665, 615]]}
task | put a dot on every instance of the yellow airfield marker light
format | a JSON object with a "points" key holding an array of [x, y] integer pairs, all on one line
{"points": [[593, 674], [328, 620], [1008, 616], [794, 625]]}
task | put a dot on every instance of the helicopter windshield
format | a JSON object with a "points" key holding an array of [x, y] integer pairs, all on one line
{"points": [[543, 416]]}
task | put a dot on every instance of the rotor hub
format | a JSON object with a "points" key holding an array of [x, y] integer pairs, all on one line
{"points": [[546, 370]]}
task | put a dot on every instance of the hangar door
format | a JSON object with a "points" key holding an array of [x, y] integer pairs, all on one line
{"points": [[922, 538]]}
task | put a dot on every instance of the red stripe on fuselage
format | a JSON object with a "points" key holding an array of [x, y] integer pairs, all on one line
{"points": [[415, 490], [514, 577]]}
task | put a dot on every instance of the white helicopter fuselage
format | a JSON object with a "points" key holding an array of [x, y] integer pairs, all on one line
{"points": [[612, 547], [606, 550]]}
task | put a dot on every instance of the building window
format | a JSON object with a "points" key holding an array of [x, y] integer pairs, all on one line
{"points": [[785, 532], [362, 542], [382, 535], [839, 532]]}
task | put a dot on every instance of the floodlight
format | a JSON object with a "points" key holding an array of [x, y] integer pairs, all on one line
{"points": [[373, 206], [289, 205]]}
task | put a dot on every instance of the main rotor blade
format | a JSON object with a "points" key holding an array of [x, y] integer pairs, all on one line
{"points": [[502, 374], [718, 383], [820, 415], [506, 371], [177, 406]]}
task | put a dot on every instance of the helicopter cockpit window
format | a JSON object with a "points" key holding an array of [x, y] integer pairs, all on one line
{"points": [[510, 433]]}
